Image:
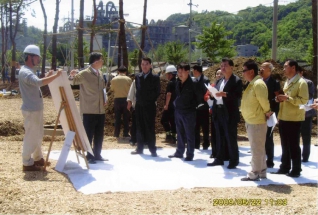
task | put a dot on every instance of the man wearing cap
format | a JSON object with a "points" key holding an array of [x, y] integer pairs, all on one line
{"points": [[32, 108], [167, 119], [121, 85], [202, 110], [92, 102]]}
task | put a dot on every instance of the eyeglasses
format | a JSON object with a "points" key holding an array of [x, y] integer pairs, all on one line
{"points": [[244, 70]]}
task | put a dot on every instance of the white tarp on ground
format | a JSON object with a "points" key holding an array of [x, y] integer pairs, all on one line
{"points": [[125, 172]]}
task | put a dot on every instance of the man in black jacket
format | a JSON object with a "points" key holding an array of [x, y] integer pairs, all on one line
{"points": [[202, 112], [273, 86], [185, 110], [147, 93], [226, 115]]}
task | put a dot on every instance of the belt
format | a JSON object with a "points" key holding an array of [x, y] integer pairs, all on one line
{"points": [[220, 106]]}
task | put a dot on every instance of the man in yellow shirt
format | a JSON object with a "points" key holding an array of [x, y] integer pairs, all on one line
{"points": [[290, 118], [121, 85], [255, 110]]}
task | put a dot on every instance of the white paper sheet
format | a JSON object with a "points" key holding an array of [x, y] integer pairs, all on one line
{"points": [[213, 90]]}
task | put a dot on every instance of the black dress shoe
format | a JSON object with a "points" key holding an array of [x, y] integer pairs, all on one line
{"points": [[270, 165], [91, 161], [280, 172], [293, 174], [231, 166], [188, 159], [216, 163], [132, 143], [304, 160], [205, 148], [136, 152], [175, 156], [101, 159], [212, 156], [154, 154], [250, 179]]}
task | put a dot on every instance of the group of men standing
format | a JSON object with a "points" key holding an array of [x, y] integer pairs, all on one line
{"points": [[185, 111]]}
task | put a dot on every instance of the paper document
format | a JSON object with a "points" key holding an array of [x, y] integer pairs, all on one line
{"points": [[272, 121], [213, 90], [306, 107]]}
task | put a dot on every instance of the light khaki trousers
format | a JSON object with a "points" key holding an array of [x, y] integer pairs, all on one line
{"points": [[257, 137], [33, 136]]}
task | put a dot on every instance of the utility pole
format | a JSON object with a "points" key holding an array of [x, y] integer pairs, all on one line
{"points": [[190, 25], [274, 40]]}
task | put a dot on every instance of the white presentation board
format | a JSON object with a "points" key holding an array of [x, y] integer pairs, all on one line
{"points": [[62, 81]]}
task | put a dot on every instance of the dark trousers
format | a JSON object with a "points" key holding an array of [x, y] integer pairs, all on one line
{"points": [[120, 106], [167, 120], [213, 139], [305, 131], [133, 131], [269, 147], [290, 137], [202, 121], [145, 121], [226, 129], [94, 127], [185, 124]]}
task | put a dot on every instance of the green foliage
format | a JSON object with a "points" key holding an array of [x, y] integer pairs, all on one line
{"points": [[310, 53], [265, 51], [133, 59], [214, 43], [175, 52]]}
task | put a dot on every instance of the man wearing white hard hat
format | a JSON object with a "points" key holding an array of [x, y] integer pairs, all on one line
{"points": [[167, 119], [32, 108]]}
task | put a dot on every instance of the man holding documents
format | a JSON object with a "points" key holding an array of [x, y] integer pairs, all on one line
{"points": [[92, 101], [255, 110], [290, 118], [273, 87], [226, 115]]}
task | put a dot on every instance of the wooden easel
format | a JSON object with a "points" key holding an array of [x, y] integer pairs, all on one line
{"points": [[77, 143]]}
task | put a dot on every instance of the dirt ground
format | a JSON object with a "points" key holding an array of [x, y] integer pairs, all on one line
{"points": [[52, 193]]}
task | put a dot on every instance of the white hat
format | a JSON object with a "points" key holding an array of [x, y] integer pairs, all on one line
{"points": [[32, 49], [171, 69]]}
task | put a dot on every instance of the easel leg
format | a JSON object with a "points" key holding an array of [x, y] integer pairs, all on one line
{"points": [[54, 131]]}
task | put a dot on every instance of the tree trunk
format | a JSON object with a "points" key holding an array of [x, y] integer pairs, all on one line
{"points": [[122, 36], [314, 34], [80, 36], [91, 47], [143, 34], [13, 35], [3, 48], [54, 37], [44, 40]]}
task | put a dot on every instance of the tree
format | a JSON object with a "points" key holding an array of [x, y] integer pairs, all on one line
{"points": [[14, 8], [314, 34], [175, 52], [54, 37], [80, 51], [4, 36], [264, 51], [122, 46], [214, 43], [143, 34], [44, 39], [93, 27], [133, 57]]}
